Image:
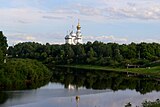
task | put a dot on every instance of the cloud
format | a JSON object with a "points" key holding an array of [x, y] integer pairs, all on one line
{"points": [[30, 38], [129, 11], [20, 37], [53, 17], [151, 13], [39, 19], [150, 40], [105, 39], [22, 15], [53, 38], [110, 10], [87, 10], [22, 22]]}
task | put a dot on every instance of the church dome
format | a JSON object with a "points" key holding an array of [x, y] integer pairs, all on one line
{"points": [[78, 26], [73, 34], [68, 37]]}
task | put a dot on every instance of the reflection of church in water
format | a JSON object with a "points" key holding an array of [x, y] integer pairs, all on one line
{"points": [[74, 38]]}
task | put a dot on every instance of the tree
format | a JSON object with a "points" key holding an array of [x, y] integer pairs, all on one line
{"points": [[10, 50], [69, 53], [79, 53], [91, 56], [3, 43], [1, 57]]}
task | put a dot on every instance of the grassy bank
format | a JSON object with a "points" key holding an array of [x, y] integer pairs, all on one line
{"points": [[152, 71]]}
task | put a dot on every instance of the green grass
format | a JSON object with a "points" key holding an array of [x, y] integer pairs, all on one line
{"points": [[151, 104], [152, 71]]}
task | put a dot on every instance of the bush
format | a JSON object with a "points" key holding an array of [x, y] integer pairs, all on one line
{"points": [[20, 71]]}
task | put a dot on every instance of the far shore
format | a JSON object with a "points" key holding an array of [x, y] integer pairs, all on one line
{"points": [[150, 71]]}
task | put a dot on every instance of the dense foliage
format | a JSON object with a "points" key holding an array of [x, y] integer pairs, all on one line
{"points": [[3, 47], [3, 42], [18, 72], [1, 57], [96, 53]]}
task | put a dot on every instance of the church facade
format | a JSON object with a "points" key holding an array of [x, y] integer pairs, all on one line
{"points": [[74, 38]]}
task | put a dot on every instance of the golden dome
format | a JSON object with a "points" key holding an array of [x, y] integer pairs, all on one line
{"points": [[78, 26]]}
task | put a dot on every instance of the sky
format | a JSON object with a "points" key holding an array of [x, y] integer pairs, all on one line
{"points": [[48, 21]]}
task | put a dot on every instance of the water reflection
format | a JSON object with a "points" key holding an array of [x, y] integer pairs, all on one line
{"points": [[75, 78], [3, 97], [24, 97], [89, 86], [26, 85]]}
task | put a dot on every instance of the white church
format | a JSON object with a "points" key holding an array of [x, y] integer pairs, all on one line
{"points": [[74, 38]]}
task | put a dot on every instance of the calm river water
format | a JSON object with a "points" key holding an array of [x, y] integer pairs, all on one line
{"points": [[93, 88]]}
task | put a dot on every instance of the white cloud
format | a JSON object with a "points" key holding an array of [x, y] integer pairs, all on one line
{"points": [[109, 11], [105, 39], [30, 38], [19, 37], [151, 40], [14, 15], [53, 38], [53, 17], [151, 12]]}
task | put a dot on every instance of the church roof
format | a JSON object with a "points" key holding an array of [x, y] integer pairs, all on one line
{"points": [[73, 34], [68, 37], [78, 26]]}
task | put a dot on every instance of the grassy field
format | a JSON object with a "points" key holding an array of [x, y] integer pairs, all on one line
{"points": [[152, 71]]}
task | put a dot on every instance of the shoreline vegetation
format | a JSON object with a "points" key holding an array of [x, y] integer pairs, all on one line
{"points": [[20, 73], [23, 74], [150, 72], [141, 58], [151, 103], [146, 103]]}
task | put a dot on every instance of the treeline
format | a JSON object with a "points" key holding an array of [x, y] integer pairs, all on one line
{"points": [[96, 53], [19, 73]]}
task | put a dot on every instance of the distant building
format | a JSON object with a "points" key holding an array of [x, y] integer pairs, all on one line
{"points": [[74, 38]]}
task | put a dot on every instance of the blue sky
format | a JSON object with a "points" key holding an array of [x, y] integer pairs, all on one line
{"points": [[121, 21]]}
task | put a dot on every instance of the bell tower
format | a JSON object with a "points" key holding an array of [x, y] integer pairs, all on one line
{"points": [[78, 26], [78, 33]]}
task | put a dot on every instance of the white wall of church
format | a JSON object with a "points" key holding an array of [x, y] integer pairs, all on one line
{"points": [[74, 38]]}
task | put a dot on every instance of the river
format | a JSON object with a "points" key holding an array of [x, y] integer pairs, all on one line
{"points": [[93, 88]]}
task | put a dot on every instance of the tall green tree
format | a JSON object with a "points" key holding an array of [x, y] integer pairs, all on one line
{"points": [[3, 43], [91, 56], [1, 57]]}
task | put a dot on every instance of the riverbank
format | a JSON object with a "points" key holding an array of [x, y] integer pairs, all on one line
{"points": [[150, 71], [23, 74]]}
